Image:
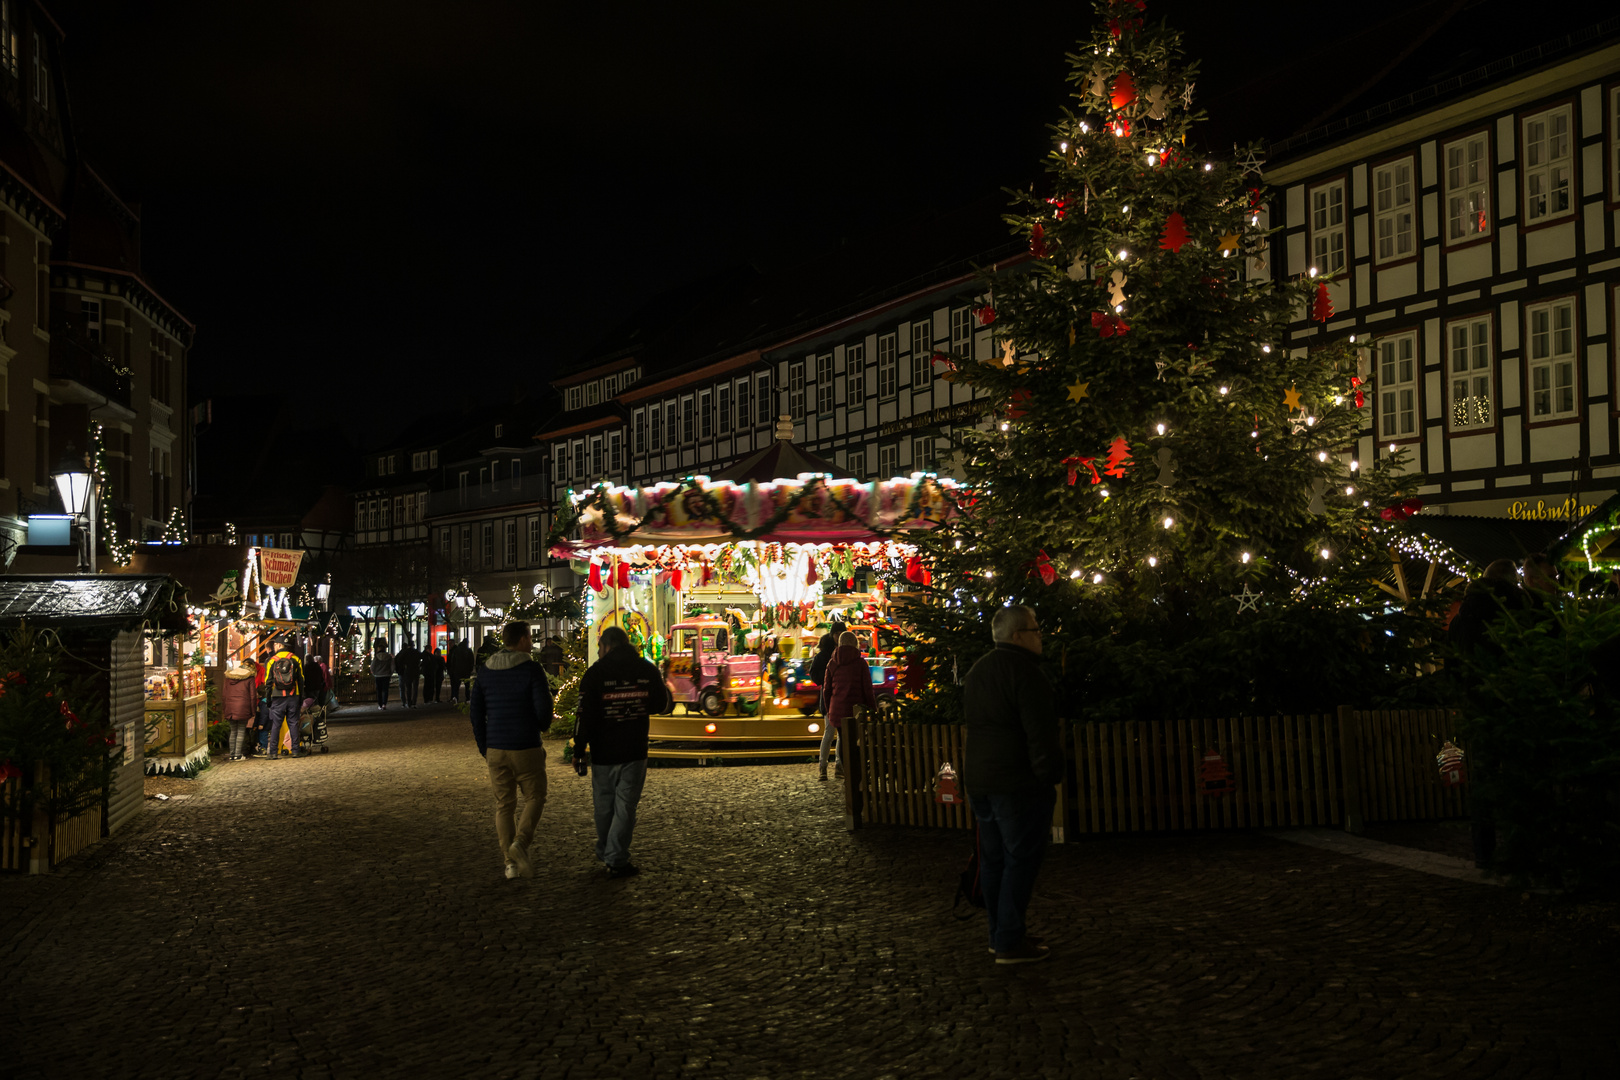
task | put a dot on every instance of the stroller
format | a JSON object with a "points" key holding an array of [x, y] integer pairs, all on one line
{"points": [[312, 727]]}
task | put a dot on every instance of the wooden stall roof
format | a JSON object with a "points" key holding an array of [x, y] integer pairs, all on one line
{"points": [[109, 602]]}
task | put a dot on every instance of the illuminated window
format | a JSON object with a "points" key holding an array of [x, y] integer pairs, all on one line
{"points": [[1468, 365]]}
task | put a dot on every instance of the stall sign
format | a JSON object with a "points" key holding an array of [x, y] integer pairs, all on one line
{"points": [[278, 567]]}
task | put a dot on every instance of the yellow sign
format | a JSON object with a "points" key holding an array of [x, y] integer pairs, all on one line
{"points": [[1569, 510], [278, 567]]}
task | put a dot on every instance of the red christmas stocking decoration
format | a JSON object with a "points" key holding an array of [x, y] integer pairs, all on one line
{"points": [[623, 578], [596, 576]]}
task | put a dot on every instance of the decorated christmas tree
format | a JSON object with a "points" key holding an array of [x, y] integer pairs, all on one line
{"points": [[1168, 478]]}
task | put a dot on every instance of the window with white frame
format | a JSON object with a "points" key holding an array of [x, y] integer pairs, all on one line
{"points": [[615, 452], [597, 463], [418, 460], [1470, 375], [509, 548], [1546, 168], [796, 390], [466, 545], [962, 333], [610, 386], [534, 541], [688, 422], [387, 522], [92, 318], [855, 376], [1552, 359], [857, 464], [888, 462], [1327, 227], [744, 417], [888, 368], [638, 432], [1392, 210], [706, 415], [1468, 188], [824, 384], [433, 459], [517, 474], [576, 397], [8, 39], [1397, 386], [762, 397], [489, 544], [1614, 144], [722, 408], [655, 427], [922, 354], [670, 430], [579, 459], [922, 454], [593, 393], [559, 466], [444, 544]]}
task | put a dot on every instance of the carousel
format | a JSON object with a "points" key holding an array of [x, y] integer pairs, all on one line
{"points": [[727, 583]]}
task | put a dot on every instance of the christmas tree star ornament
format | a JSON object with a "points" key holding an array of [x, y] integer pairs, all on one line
{"points": [[1228, 244], [1250, 162], [1187, 96], [1079, 391], [1291, 398], [1175, 232], [1247, 600]]}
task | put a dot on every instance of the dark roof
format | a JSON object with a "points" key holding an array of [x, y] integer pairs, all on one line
{"points": [[1447, 49], [1482, 540], [781, 460], [93, 601]]}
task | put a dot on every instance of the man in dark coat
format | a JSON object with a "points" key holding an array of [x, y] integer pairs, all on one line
{"points": [[489, 648], [433, 674], [1013, 762], [408, 666], [553, 658], [616, 697], [460, 665], [511, 709]]}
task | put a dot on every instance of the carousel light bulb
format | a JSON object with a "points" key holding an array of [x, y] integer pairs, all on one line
{"points": [[1096, 579], [1169, 522]]}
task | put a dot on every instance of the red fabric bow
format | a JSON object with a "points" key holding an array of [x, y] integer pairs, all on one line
{"points": [[1042, 568], [1108, 324], [1016, 409], [1074, 472]]}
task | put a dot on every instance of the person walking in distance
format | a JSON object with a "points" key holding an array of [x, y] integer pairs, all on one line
{"points": [[408, 665], [284, 690], [433, 674], [382, 670], [616, 697], [460, 665], [553, 658], [1012, 765], [511, 709], [848, 683]]}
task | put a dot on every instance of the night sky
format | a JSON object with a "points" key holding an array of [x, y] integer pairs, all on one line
{"points": [[382, 209]]}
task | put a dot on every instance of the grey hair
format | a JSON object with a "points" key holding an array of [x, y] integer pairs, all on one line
{"points": [[1009, 620]]}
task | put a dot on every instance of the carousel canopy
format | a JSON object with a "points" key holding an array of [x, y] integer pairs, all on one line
{"points": [[779, 459]]}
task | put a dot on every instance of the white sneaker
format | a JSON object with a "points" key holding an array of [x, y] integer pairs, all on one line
{"points": [[520, 860], [511, 871]]}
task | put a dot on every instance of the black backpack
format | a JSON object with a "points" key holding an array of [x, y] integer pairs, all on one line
{"points": [[283, 675], [968, 887]]}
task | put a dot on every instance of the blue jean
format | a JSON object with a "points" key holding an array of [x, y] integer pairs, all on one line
{"points": [[288, 709], [616, 789], [1013, 833]]}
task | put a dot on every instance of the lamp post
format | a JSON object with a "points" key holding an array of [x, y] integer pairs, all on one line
{"points": [[78, 483]]}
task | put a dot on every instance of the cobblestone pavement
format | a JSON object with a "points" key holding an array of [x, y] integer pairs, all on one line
{"points": [[346, 916]]}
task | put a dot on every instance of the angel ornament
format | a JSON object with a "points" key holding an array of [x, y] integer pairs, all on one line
{"points": [[1318, 487], [1157, 101], [1167, 467], [1116, 288]]}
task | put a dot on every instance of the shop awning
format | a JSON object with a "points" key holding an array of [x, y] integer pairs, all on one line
{"points": [[94, 601]]}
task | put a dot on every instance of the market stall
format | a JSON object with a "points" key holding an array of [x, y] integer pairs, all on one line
{"points": [[176, 694]]}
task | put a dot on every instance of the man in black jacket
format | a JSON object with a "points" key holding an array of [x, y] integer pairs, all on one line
{"points": [[511, 709], [460, 665], [617, 695], [1012, 765], [408, 666]]}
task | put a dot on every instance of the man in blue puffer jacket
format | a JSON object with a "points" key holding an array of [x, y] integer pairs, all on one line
{"points": [[511, 708]]}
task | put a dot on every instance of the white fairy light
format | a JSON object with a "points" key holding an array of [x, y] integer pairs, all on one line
{"points": [[1074, 573], [1354, 464], [1245, 556], [1326, 554], [1123, 254], [1321, 455], [1313, 271], [1153, 561], [1265, 348], [1224, 389], [1169, 522], [1349, 489], [1096, 579], [1063, 148], [1161, 429], [1208, 166]]}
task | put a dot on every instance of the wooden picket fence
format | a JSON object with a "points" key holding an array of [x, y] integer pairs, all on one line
{"points": [[59, 840], [1337, 769]]}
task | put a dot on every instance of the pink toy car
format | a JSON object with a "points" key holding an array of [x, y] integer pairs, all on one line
{"points": [[702, 671]]}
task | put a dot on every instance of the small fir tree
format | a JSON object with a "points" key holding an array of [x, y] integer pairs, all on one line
{"points": [[1165, 479]]}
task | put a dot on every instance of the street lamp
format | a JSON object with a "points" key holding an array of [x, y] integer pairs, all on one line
{"points": [[78, 484]]}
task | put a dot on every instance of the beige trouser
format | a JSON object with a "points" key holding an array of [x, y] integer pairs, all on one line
{"points": [[509, 772]]}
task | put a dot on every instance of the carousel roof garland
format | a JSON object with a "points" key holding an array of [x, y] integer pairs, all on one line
{"points": [[813, 509]]}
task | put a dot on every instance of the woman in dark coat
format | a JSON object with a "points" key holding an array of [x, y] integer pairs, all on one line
{"points": [[848, 683]]}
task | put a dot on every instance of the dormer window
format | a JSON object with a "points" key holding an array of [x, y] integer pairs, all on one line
{"points": [[593, 393], [500, 429], [576, 397]]}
